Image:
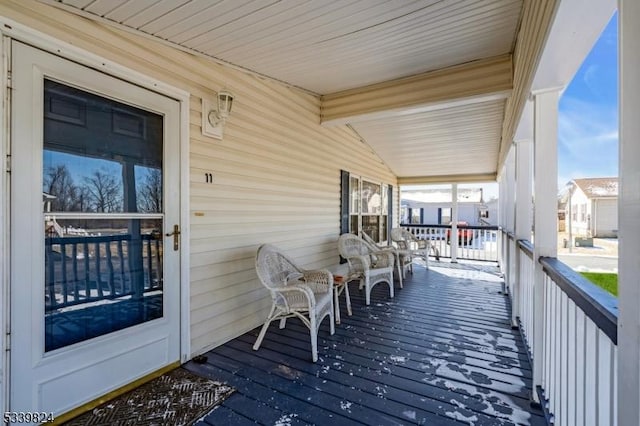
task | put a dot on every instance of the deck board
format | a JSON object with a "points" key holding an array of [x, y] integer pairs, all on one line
{"points": [[441, 352]]}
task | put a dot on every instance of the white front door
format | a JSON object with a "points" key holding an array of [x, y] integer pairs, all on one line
{"points": [[95, 289]]}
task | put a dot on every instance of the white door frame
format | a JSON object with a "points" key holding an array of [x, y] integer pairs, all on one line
{"points": [[4, 227], [10, 29]]}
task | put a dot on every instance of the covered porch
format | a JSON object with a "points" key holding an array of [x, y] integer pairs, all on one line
{"points": [[441, 352], [385, 96]]}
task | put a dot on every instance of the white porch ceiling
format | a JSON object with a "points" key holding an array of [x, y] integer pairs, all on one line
{"points": [[333, 46], [453, 141]]}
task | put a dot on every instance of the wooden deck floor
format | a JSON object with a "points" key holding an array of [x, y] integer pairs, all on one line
{"points": [[441, 352]]}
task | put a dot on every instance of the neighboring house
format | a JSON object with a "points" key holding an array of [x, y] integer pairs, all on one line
{"points": [[591, 207], [434, 206]]}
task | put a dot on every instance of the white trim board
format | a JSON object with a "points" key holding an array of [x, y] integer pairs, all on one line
{"points": [[4, 224]]}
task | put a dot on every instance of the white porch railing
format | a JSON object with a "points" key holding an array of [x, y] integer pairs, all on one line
{"points": [[579, 371], [525, 295], [474, 242]]}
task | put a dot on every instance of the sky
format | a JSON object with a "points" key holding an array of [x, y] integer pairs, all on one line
{"points": [[588, 114]]}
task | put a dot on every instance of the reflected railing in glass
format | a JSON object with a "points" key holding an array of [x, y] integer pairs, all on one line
{"points": [[101, 275]]}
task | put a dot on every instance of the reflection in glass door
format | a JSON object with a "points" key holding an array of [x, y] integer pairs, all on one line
{"points": [[103, 212], [371, 209]]}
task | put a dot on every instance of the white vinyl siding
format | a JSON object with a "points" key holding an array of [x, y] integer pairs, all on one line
{"points": [[606, 217], [276, 173]]}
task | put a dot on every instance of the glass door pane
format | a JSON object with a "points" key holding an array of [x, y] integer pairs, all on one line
{"points": [[103, 212]]}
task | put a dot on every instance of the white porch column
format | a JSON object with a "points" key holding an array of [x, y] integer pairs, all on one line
{"points": [[454, 223], [511, 185], [523, 214], [510, 181], [501, 196], [629, 215], [545, 217]]}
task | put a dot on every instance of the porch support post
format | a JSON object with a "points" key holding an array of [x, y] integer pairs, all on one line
{"points": [[628, 395], [545, 217], [523, 215], [510, 180], [453, 239], [502, 197]]}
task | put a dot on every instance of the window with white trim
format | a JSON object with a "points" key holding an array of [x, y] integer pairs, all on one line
{"points": [[368, 207]]}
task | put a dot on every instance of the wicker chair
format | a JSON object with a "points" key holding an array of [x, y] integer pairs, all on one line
{"points": [[295, 292], [405, 240], [374, 266], [402, 258]]}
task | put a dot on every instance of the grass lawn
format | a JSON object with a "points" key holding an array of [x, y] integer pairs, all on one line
{"points": [[607, 281]]}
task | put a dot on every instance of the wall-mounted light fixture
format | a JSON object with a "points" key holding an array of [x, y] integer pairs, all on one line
{"points": [[215, 113]]}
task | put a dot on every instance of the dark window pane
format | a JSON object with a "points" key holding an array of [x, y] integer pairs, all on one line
{"points": [[100, 155]]}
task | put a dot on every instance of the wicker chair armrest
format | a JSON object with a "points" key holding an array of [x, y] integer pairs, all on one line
{"points": [[302, 287], [384, 259], [320, 279], [293, 277], [359, 263], [389, 249]]}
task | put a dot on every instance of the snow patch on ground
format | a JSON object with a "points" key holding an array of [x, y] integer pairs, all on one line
{"points": [[380, 391], [461, 417], [409, 414], [285, 420], [516, 415], [436, 362], [468, 275], [457, 403], [396, 358], [345, 405], [287, 372], [449, 385]]}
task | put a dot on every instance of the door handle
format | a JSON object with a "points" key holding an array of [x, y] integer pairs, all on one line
{"points": [[176, 237]]}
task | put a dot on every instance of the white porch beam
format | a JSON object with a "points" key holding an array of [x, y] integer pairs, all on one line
{"points": [[420, 180], [474, 82], [545, 216], [629, 215]]}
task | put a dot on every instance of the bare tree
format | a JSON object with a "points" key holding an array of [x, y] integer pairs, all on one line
{"points": [[150, 192], [59, 183], [104, 192]]}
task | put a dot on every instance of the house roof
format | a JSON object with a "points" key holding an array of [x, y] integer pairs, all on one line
{"points": [[606, 187]]}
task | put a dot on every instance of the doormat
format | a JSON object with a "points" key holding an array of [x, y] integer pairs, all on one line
{"points": [[177, 398]]}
